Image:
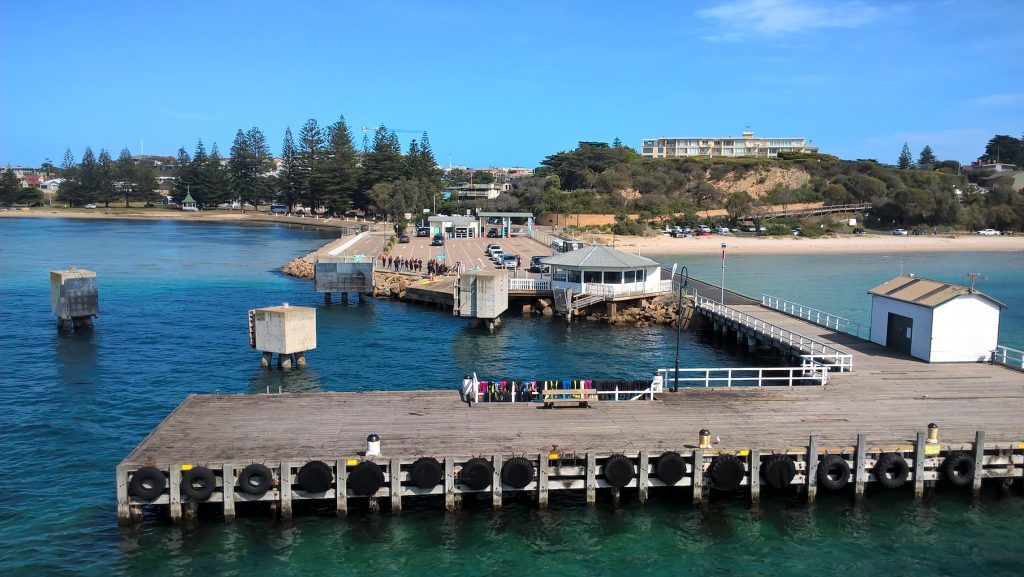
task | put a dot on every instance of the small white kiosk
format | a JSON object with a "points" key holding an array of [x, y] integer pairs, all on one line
{"points": [[601, 270], [934, 321]]}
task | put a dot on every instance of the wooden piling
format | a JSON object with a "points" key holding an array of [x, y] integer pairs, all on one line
{"points": [[861, 477], [698, 477], [754, 475], [124, 516], [341, 488], [395, 476], [919, 458], [811, 473], [228, 491], [642, 465], [449, 484], [496, 482], [174, 489], [979, 465], [591, 479], [285, 492], [542, 481]]}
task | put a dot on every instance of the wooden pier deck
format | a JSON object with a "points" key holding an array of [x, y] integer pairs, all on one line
{"points": [[879, 411]]}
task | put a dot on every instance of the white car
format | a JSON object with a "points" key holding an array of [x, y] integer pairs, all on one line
{"points": [[704, 228], [721, 230], [989, 232], [899, 232], [91, 205]]}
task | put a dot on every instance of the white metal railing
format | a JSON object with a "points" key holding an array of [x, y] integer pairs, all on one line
{"points": [[617, 290], [728, 377], [1008, 357], [816, 316], [840, 360], [478, 396], [528, 284]]}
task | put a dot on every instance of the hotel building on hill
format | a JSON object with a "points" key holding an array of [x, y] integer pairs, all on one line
{"points": [[727, 146]]}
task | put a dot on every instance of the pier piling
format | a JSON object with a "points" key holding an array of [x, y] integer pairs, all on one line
{"points": [[979, 462], [812, 469], [698, 477], [861, 476], [341, 488], [919, 463], [754, 476], [542, 480], [228, 492]]}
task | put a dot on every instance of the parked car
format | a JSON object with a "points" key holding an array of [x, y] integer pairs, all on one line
{"points": [[859, 231], [423, 232], [537, 266], [438, 240], [493, 233], [989, 232], [509, 261], [899, 232], [721, 230], [403, 238], [91, 206], [279, 209], [703, 229], [489, 251], [682, 234], [797, 231], [496, 256], [919, 232]]}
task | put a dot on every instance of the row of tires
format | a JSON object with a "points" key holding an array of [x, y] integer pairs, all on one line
{"points": [[726, 473]]}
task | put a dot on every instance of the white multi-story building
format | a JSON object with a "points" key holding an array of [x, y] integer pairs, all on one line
{"points": [[727, 146]]}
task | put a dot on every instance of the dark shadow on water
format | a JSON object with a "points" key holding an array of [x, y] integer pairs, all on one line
{"points": [[275, 380], [76, 357]]}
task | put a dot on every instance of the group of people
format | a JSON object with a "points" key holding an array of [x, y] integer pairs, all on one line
{"points": [[434, 267], [400, 264]]}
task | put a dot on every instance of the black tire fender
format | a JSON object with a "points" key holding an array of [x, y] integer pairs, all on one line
{"points": [[255, 480], [517, 472], [315, 477], [670, 468], [198, 483], [426, 473], [726, 472], [147, 483], [477, 474], [891, 470], [778, 471], [958, 468], [366, 478], [833, 472], [618, 471]]}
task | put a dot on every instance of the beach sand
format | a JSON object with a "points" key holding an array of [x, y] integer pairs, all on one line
{"points": [[653, 245]]}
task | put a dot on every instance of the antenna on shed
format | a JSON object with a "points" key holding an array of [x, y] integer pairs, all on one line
{"points": [[973, 276]]}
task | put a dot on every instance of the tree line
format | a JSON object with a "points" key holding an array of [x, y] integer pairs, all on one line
{"points": [[320, 169]]}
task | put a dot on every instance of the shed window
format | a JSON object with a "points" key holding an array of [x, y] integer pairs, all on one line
{"points": [[612, 277], [558, 274], [640, 275], [630, 276], [574, 276], [592, 276]]}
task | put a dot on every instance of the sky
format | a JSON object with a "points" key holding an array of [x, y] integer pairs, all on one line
{"points": [[508, 83]]}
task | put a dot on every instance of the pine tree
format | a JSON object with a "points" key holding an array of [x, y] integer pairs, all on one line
{"points": [[616, 143], [927, 158], [135, 182], [310, 158], [105, 178], [214, 178], [88, 178], [182, 174], [906, 160], [197, 186], [239, 168], [384, 163], [9, 186], [290, 185], [339, 172], [67, 166], [260, 163]]}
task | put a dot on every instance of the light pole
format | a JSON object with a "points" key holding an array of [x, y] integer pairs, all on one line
{"points": [[684, 278], [723, 274]]}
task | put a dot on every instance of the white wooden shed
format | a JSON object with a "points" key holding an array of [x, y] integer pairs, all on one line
{"points": [[934, 321]]}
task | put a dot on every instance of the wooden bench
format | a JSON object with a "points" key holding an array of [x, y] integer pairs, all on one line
{"points": [[579, 397]]}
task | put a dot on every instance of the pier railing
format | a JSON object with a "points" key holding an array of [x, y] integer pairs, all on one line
{"points": [[1008, 357], [729, 377], [839, 360], [816, 316], [528, 284]]}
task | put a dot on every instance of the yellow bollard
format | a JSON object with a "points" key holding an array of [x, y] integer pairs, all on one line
{"points": [[933, 433], [705, 439]]}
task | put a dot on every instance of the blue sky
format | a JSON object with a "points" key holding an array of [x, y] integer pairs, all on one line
{"points": [[502, 84]]}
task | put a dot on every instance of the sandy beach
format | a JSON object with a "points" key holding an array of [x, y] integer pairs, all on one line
{"points": [[661, 245], [653, 245]]}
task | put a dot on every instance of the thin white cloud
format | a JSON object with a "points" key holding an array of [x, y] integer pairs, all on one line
{"points": [[741, 18], [1004, 99]]}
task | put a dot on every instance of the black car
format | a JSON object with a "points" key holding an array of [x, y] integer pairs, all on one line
{"points": [[403, 238], [438, 240], [493, 233], [423, 231], [920, 231], [537, 266]]}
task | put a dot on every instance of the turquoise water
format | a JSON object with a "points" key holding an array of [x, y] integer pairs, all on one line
{"points": [[174, 298]]}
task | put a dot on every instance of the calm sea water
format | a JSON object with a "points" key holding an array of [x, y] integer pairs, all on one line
{"points": [[174, 298]]}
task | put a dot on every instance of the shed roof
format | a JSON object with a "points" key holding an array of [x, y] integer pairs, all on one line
{"points": [[454, 219], [925, 292], [508, 214], [188, 198], [599, 257]]}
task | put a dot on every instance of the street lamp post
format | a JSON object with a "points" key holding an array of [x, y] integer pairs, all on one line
{"points": [[723, 274]]}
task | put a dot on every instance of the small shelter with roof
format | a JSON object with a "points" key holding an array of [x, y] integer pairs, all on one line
{"points": [[188, 203], [934, 321], [600, 270]]}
